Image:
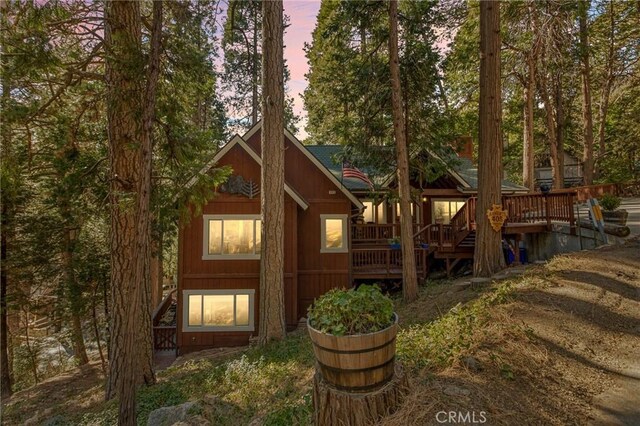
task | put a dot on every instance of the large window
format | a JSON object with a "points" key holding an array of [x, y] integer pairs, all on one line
{"points": [[444, 210], [231, 237], [213, 310], [374, 213], [333, 233]]}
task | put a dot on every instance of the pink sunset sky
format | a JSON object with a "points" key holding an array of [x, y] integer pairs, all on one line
{"points": [[302, 14]]}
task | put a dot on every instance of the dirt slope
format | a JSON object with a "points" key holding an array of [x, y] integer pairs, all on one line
{"points": [[566, 350]]}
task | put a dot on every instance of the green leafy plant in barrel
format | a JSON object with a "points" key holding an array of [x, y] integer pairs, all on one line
{"points": [[348, 312]]}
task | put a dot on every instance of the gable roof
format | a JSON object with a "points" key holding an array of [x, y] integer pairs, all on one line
{"points": [[304, 149], [325, 155], [463, 171], [237, 140], [469, 173]]}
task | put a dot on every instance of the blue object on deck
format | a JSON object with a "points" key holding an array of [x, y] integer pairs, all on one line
{"points": [[509, 257], [524, 258], [424, 245], [395, 246]]}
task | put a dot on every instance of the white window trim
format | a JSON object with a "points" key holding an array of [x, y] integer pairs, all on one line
{"points": [[205, 236], [323, 233], [185, 311]]}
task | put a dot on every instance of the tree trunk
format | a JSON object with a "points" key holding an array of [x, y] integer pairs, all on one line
{"points": [[272, 322], [528, 150], [409, 272], [157, 272], [606, 91], [587, 116], [557, 161], [74, 292], [5, 133], [254, 69], [5, 371], [488, 258], [336, 407], [130, 107]]}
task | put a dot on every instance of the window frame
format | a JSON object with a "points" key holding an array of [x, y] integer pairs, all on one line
{"points": [[222, 217], [449, 200], [194, 328], [323, 233]]}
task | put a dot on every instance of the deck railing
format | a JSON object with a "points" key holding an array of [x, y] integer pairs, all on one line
{"points": [[376, 233], [521, 209], [385, 261]]}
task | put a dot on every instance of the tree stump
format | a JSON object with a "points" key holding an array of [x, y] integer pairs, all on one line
{"points": [[337, 407]]}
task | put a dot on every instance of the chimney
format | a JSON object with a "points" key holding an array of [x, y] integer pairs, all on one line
{"points": [[464, 147]]}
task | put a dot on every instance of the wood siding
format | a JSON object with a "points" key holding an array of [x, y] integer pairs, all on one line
{"points": [[317, 272], [308, 273]]}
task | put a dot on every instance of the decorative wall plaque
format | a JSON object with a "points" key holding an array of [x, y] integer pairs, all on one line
{"points": [[236, 184], [497, 216]]}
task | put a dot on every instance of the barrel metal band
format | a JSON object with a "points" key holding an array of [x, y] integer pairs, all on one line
{"points": [[359, 351], [363, 388], [356, 370]]}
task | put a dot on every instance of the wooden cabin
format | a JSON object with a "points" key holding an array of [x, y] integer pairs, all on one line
{"points": [[337, 232]]}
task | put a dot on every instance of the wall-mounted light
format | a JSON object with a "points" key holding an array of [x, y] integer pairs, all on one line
{"points": [[425, 199]]}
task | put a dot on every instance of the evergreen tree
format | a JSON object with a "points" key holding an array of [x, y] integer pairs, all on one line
{"points": [[272, 321], [242, 68]]}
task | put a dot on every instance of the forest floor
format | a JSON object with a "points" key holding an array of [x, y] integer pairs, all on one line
{"points": [[556, 345]]}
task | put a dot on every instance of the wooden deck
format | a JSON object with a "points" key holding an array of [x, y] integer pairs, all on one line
{"points": [[385, 262], [526, 214]]}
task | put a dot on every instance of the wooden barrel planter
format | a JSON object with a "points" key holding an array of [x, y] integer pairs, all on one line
{"points": [[356, 363]]}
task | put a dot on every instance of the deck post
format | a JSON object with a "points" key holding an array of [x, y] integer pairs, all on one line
{"points": [[547, 211], [572, 218]]}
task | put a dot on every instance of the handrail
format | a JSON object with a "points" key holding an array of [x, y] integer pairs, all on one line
{"points": [[162, 307]]}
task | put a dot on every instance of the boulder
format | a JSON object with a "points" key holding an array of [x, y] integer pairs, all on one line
{"points": [[169, 416]]}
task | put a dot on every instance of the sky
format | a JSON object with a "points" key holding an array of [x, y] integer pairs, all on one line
{"points": [[302, 14]]}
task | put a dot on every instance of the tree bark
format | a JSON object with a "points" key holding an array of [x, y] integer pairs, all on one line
{"points": [[528, 150], [587, 115], [130, 107], [254, 68], [157, 272], [5, 371], [336, 407], [5, 133], [557, 160], [488, 258], [409, 272], [272, 321], [74, 292], [606, 90]]}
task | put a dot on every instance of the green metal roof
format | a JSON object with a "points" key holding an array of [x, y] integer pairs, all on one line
{"points": [[329, 156]]}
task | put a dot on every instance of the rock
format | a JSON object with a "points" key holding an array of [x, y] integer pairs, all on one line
{"points": [[472, 363], [54, 421], [453, 390], [168, 416]]}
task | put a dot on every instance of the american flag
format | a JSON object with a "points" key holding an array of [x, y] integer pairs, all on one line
{"points": [[350, 171]]}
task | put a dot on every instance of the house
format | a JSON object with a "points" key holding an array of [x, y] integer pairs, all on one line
{"points": [[573, 171], [337, 232]]}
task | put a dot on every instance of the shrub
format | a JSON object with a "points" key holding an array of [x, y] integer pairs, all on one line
{"points": [[347, 312], [609, 202]]}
